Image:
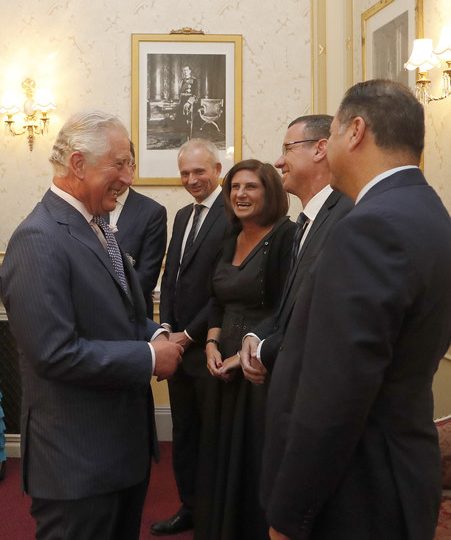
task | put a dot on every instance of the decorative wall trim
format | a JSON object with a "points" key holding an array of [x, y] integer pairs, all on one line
{"points": [[163, 420], [12, 445]]}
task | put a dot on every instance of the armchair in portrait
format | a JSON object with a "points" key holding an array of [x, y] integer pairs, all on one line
{"points": [[210, 111]]}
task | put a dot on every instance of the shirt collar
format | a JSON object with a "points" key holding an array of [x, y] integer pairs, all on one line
{"points": [[314, 205], [122, 198], [381, 177], [209, 201], [70, 199]]}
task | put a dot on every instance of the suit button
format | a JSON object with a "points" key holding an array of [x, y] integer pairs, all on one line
{"points": [[281, 348]]}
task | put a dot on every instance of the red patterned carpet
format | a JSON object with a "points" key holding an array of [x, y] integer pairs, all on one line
{"points": [[162, 501]]}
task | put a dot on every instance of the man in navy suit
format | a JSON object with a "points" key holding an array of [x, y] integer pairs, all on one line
{"points": [[306, 175], [351, 450], [197, 238], [142, 233], [87, 351]]}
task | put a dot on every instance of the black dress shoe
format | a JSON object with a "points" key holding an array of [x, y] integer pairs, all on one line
{"points": [[179, 522]]}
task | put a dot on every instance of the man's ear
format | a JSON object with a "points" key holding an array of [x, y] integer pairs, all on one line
{"points": [[218, 169], [321, 150], [77, 164], [356, 129]]}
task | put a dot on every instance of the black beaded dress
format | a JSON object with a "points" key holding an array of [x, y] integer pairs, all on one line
{"points": [[227, 505]]}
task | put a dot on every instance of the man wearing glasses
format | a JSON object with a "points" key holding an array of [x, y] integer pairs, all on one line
{"points": [[305, 174]]}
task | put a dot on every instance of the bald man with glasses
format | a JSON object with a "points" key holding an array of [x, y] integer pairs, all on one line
{"points": [[305, 174]]}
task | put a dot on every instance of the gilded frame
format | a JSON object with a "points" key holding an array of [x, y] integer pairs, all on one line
{"points": [[171, 103], [388, 30]]}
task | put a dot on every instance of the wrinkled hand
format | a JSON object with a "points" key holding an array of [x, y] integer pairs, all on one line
{"points": [[275, 535], [253, 370], [168, 355], [214, 359], [229, 365], [180, 338]]}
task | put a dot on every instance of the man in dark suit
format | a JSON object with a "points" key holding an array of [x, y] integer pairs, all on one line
{"points": [[76, 310], [196, 240], [142, 233], [306, 175], [351, 449]]}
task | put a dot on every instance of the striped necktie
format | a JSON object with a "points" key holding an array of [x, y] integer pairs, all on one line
{"points": [[192, 233]]}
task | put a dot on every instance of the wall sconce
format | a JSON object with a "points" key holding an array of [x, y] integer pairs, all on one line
{"points": [[34, 118], [424, 58]]}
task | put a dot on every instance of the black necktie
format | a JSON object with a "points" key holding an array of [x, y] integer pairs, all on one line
{"points": [[112, 250], [192, 233], [301, 223]]}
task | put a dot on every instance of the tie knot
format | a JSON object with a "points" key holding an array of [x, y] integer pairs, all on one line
{"points": [[302, 220], [198, 209], [101, 222]]}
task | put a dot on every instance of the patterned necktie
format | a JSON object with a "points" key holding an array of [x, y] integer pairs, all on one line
{"points": [[113, 251], [192, 233], [301, 223]]}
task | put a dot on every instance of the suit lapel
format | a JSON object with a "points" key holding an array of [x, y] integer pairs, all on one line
{"points": [[210, 219], [321, 217], [80, 229], [130, 209]]}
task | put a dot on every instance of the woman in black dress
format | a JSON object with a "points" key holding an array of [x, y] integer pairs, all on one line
{"points": [[247, 286]]}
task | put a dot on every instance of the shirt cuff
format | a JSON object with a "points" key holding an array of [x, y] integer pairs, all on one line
{"points": [[259, 348], [188, 336], [166, 326], [152, 354], [159, 331]]}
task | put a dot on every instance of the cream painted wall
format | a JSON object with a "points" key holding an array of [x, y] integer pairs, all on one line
{"points": [[82, 51]]}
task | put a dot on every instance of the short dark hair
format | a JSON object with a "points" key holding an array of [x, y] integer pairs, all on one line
{"points": [[276, 199], [317, 126], [390, 110]]}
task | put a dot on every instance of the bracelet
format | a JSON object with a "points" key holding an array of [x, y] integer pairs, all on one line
{"points": [[211, 340]]}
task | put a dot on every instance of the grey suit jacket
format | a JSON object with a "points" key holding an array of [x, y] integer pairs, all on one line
{"points": [[87, 412], [351, 448]]}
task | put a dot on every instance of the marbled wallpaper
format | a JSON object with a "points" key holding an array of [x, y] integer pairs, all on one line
{"points": [[81, 51]]}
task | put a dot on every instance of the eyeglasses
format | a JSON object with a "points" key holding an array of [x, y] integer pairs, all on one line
{"points": [[286, 146]]}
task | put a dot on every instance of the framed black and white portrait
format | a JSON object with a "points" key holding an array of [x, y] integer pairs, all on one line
{"points": [[184, 87]]}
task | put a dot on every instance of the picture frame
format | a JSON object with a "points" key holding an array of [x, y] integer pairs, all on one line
{"points": [[184, 85], [388, 30]]}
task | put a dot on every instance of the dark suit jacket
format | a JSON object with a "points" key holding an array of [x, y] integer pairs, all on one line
{"points": [[335, 207], [351, 449], [87, 412], [184, 301], [142, 233]]}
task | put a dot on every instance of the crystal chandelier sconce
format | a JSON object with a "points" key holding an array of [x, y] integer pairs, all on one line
{"points": [[424, 58], [30, 117]]}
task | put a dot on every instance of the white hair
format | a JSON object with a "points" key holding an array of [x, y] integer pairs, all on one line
{"points": [[205, 144], [86, 133]]}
